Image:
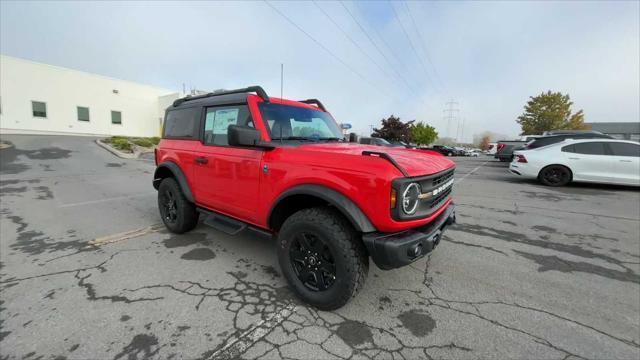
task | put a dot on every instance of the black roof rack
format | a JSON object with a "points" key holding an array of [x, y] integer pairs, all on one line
{"points": [[314, 102], [256, 89]]}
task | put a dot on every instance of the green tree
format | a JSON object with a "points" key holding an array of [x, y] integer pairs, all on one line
{"points": [[423, 134], [549, 111], [393, 129]]}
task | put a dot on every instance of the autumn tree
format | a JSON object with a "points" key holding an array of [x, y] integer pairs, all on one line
{"points": [[423, 134], [550, 111], [484, 142], [393, 129]]}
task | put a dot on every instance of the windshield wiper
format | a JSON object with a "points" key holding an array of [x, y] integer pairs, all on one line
{"points": [[331, 139], [300, 138]]}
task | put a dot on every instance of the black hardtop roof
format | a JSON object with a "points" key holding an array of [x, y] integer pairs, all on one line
{"points": [[225, 97]]}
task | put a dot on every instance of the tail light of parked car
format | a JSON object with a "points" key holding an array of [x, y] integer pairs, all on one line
{"points": [[521, 159], [500, 147]]}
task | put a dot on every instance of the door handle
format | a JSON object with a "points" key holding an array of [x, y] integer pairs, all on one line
{"points": [[625, 160], [574, 158], [201, 160]]}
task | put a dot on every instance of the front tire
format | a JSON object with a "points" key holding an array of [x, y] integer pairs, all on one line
{"points": [[555, 175], [322, 258], [178, 214]]}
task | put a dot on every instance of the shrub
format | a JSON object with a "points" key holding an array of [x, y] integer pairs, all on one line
{"points": [[155, 140], [121, 144], [143, 142], [113, 139]]}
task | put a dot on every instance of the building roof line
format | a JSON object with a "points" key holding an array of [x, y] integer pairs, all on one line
{"points": [[58, 67]]}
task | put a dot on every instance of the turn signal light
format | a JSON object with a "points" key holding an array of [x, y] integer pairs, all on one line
{"points": [[392, 199], [521, 159]]}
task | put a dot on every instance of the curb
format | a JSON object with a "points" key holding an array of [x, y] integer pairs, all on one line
{"points": [[118, 153]]}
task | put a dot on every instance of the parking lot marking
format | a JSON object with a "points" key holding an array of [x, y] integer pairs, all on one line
{"points": [[471, 172], [125, 235], [91, 202], [239, 345]]}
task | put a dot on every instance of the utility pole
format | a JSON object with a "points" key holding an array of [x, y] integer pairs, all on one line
{"points": [[450, 114], [281, 80], [370, 130]]}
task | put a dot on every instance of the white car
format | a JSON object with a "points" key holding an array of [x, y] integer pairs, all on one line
{"points": [[605, 161]]}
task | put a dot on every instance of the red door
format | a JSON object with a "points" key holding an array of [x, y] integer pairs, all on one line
{"points": [[227, 178]]}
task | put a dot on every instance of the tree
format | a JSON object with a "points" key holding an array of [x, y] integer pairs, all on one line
{"points": [[393, 129], [484, 142], [423, 134], [549, 111]]}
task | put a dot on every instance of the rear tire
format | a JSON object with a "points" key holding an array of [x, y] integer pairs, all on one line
{"points": [[555, 175], [178, 214], [322, 258]]}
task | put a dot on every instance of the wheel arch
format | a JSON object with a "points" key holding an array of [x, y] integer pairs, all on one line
{"points": [[170, 169], [307, 196]]}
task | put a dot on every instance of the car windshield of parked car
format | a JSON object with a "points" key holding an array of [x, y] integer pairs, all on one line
{"points": [[285, 122]]}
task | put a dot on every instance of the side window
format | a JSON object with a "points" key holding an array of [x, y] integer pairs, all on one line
{"points": [[83, 113], [39, 109], [568, 148], [182, 123], [590, 148], [116, 117], [218, 120], [624, 149]]}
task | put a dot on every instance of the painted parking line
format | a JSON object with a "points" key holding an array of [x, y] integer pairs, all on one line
{"points": [[471, 172], [91, 202], [126, 235], [234, 348]]}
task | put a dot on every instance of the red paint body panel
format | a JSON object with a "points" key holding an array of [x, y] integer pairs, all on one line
{"points": [[233, 182]]}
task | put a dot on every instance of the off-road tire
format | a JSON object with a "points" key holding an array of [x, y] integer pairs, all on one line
{"points": [[186, 216], [561, 175], [351, 259]]}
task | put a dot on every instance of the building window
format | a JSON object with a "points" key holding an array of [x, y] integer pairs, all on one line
{"points": [[83, 113], [116, 117], [39, 109]]}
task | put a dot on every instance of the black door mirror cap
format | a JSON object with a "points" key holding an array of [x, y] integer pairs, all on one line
{"points": [[244, 136]]}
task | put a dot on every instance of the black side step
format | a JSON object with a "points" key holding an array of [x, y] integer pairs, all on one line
{"points": [[223, 223]]}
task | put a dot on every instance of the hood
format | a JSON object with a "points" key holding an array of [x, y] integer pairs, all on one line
{"points": [[414, 162]]}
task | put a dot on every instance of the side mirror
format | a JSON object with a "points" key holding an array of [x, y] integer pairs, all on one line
{"points": [[245, 136]]}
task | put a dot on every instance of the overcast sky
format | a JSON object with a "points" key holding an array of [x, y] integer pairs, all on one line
{"points": [[402, 58]]}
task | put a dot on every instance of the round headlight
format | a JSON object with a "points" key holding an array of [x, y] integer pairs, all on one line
{"points": [[410, 198]]}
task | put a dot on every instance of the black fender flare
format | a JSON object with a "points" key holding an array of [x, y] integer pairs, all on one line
{"points": [[177, 174], [347, 207]]}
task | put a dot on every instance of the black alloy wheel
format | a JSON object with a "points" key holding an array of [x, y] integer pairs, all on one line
{"points": [[555, 175], [313, 262], [169, 209]]}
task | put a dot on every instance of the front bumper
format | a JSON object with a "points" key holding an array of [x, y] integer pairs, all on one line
{"points": [[393, 250]]}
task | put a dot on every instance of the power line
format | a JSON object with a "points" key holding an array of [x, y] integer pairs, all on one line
{"points": [[424, 49], [404, 30], [354, 42], [323, 47], [375, 45]]}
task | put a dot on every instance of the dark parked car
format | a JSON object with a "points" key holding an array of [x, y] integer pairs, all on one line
{"points": [[445, 150]]}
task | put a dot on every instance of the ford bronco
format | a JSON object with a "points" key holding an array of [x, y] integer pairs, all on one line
{"points": [[241, 159]]}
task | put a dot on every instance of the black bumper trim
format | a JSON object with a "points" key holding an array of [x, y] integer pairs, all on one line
{"points": [[393, 250]]}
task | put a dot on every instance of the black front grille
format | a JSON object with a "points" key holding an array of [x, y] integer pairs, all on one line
{"points": [[441, 179], [436, 200]]}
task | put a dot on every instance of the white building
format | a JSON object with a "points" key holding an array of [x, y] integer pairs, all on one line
{"points": [[38, 98]]}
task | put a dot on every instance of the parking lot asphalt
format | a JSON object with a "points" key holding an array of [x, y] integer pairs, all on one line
{"points": [[86, 272]]}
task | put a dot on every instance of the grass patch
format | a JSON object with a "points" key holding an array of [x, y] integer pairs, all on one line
{"points": [[143, 142], [122, 145]]}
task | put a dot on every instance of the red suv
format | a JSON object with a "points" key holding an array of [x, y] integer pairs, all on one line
{"points": [[240, 159]]}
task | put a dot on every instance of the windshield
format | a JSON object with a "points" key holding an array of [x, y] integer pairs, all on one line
{"points": [[295, 123]]}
